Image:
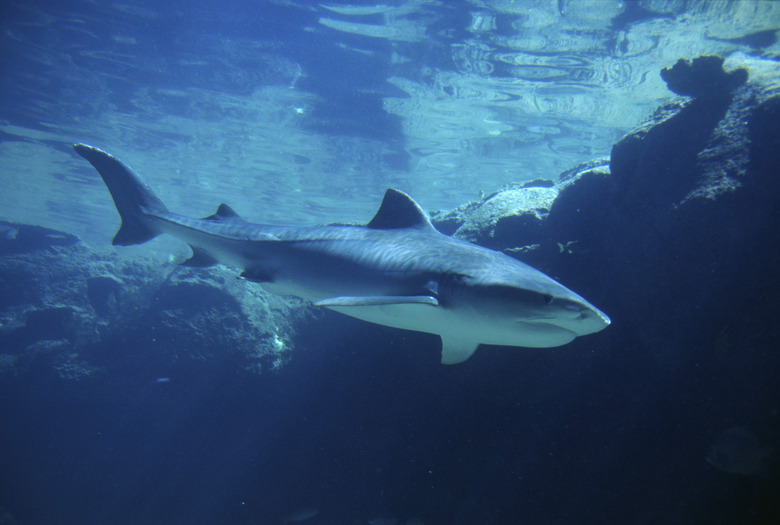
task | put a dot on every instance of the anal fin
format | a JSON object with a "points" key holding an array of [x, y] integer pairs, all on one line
{"points": [[455, 350], [200, 259]]}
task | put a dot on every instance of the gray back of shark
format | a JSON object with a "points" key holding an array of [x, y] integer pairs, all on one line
{"points": [[397, 270]]}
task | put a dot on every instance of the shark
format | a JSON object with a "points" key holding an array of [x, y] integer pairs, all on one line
{"points": [[397, 270]]}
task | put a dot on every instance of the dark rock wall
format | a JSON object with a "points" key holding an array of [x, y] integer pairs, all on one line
{"points": [[677, 242]]}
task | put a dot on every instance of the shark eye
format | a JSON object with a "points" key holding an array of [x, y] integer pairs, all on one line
{"points": [[547, 298]]}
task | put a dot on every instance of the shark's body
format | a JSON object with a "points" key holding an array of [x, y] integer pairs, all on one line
{"points": [[396, 271]]}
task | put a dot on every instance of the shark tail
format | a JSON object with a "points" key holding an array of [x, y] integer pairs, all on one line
{"points": [[134, 200]]}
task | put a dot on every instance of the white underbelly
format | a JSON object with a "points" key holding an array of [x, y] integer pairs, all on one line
{"points": [[463, 326]]}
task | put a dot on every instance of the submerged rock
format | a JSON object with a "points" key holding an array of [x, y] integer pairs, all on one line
{"points": [[517, 208], [699, 176], [702, 77], [76, 311]]}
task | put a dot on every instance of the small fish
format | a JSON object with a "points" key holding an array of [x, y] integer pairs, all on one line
{"points": [[738, 451], [8, 232], [394, 521], [569, 247], [302, 514]]}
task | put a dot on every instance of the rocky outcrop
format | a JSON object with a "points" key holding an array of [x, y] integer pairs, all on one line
{"points": [[65, 306], [682, 216]]}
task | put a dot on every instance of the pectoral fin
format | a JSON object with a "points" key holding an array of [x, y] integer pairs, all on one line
{"points": [[378, 300], [456, 350]]}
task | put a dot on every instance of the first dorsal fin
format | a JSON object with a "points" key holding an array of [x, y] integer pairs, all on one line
{"points": [[398, 210], [224, 212]]}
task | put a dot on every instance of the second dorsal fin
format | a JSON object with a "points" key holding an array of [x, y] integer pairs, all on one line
{"points": [[224, 212]]}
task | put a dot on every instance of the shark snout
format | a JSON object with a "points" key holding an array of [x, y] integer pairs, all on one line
{"points": [[579, 317], [589, 320]]}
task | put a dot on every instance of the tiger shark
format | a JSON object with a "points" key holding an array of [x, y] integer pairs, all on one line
{"points": [[397, 270]]}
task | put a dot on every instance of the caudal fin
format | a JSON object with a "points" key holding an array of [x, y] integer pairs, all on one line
{"points": [[133, 199]]}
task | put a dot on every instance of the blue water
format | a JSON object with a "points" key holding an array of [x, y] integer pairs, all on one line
{"points": [[289, 110], [305, 112]]}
